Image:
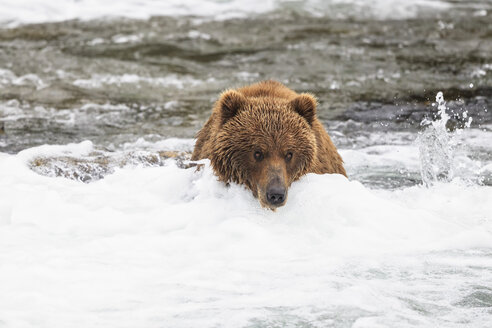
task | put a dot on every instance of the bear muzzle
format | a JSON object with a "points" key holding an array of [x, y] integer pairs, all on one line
{"points": [[273, 194]]}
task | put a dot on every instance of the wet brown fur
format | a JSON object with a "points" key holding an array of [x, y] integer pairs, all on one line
{"points": [[270, 118]]}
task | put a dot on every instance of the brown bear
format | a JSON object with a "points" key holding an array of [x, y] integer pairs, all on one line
{"points": [[266, 136]]}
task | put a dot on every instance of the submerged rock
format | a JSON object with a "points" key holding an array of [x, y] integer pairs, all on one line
{"points": [[98, 164]]}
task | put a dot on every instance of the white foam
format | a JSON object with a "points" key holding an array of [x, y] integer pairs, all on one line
{"points": [[15, 12], [175, 247], [76, 150], [7, 77], [98, 80], [171, 144], [382, 155]]}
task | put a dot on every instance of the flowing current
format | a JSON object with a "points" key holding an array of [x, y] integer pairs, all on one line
{"points": [[103, 222]]}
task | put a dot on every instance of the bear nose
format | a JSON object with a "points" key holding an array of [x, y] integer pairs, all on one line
{"points": [[276, 195]]}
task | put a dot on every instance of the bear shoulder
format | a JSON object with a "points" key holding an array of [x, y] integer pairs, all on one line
{"points": [[267, 89]]}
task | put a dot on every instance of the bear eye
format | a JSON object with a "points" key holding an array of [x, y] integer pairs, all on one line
{"points": [[258, 155], [288, 156]]}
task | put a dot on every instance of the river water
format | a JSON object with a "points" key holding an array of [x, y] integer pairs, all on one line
{"points": [[101, 224]]}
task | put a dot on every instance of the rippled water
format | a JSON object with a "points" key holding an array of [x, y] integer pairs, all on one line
{"points": [[112, 209], [114, 81]]}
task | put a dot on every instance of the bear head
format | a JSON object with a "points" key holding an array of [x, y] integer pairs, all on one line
{"points": [[264, 143]]}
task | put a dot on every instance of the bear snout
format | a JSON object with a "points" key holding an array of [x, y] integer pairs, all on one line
{"points": [[276, 190], [272, 189]]}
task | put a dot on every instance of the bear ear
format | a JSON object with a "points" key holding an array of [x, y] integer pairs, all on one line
{"points": [[229, 104], [305, 105]]}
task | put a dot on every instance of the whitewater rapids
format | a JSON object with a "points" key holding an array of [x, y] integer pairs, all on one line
{"points": [[172, 247]]}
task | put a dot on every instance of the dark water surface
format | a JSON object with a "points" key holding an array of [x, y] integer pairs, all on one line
{"points": [[113, 81]]}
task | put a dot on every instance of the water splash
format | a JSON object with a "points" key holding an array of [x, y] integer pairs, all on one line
{"points": [[437, 145], [442, 156]]}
